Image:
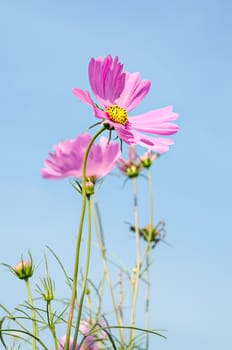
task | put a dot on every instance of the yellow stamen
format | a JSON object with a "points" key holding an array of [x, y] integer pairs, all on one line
{"points": [[117, 114]]}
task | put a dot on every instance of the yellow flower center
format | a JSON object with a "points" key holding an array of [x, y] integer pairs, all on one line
{"points": [[117, 114]]}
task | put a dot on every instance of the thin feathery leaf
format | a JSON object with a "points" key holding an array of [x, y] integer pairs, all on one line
{"points": [[68, 279]]}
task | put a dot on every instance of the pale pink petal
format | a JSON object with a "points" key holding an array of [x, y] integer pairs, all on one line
{"points": [[62, 344], [133, 92], [160, 115], [89, 343], [111, 156], [156, 144], [68, 158], [156, 122], [84, 327], [102, 158], [94, 161], [125, 134], [132, 154], [122, 165], [103, 142], [98, 113], [50, 174], [83, 96], [106, 79]]}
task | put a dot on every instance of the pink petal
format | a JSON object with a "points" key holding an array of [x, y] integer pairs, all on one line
{"points": [[125, 134], [111, 156], [83, 96], [156, 122], [98, 113], [50, 174], [132, 154], [133, 92], [62, 344], [106, 79], [68, 158], [102, 158], [132, 137], [156, 144], [84, 327]]}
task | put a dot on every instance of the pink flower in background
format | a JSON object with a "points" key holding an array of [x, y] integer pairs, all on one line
{"points": [[148, 158], [119, 92], [90, 341], [88, 344], [62, 344], [131, 166], [67, 159]]}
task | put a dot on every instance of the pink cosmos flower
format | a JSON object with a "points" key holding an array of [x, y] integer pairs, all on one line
{"points": [[148, 158], [131, 166], [118, 93], [62, 344], [88, 344], [90, 340], [67, 159]]}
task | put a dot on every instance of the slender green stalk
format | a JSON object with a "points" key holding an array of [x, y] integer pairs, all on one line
{"points": [[100, 294], [85, 277], [148, 254], [136, 273], [151, 195], [120, 284], [101, 244], [51, 324], [33, 314], [89, 306], [78, 243], [147, 280]]}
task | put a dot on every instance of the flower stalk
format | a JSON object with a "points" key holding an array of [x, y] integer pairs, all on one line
{"points": [[148, 253], [136, 273], [85, 277], [33, 314], [78, 243], [102, 248], [51, 324]]}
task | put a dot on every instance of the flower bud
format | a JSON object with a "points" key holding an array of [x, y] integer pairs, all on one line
{"points": [[47, 289], [24, 269], [130, 167], [89, 185], [148, 158], [132, 171]]}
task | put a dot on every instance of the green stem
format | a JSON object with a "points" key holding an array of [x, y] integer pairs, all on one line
{"points": [[151, 195], [135, 277], [147, 280], [33, 314], [78, 243], [148, 253], [102, 248], [89, 307], [51, 324], [85, 277], [121, 296], [100, 294]]}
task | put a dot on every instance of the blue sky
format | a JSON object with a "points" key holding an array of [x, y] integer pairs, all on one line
{"points": [[184, 48]]}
